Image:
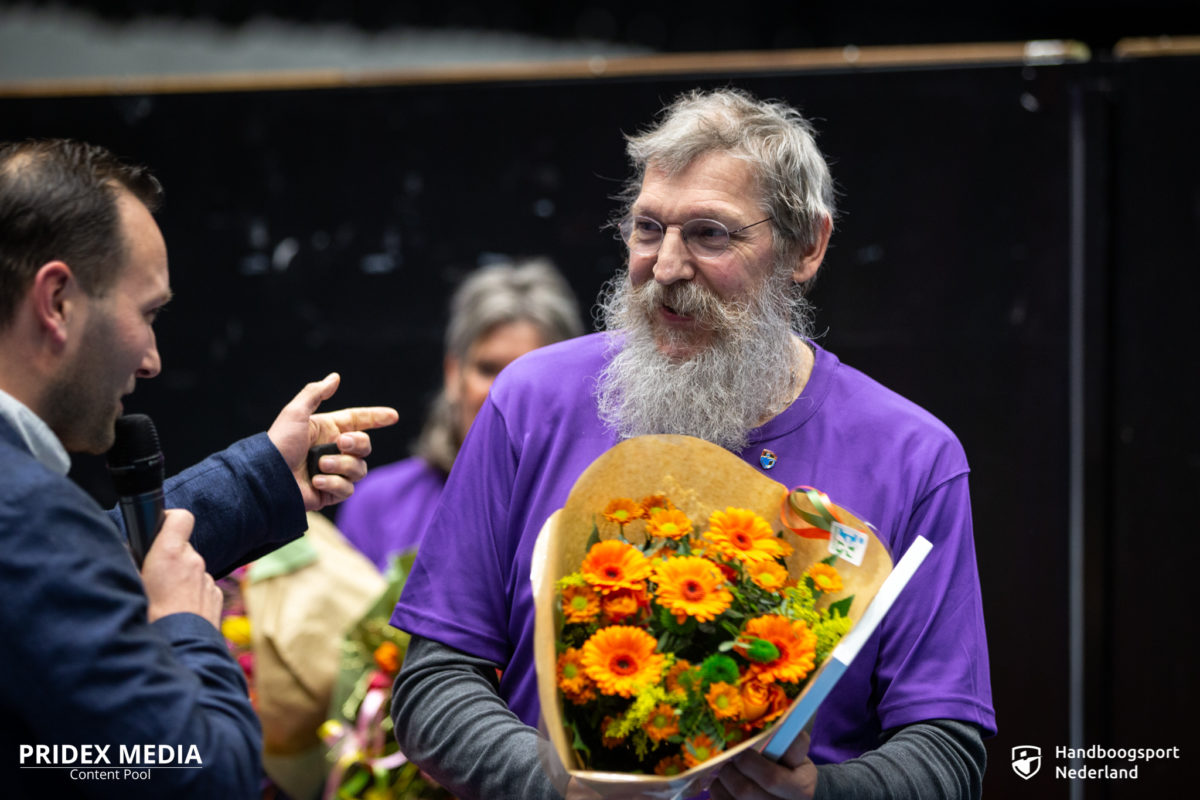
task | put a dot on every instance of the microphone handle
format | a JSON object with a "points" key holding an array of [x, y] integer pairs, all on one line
{"points": [[143, 514]]}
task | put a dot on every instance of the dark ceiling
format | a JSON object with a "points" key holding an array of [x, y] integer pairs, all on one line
{"points": [[709, 26]]}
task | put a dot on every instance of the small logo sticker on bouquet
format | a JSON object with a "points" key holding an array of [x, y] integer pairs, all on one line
{"points": [[847, 543]]}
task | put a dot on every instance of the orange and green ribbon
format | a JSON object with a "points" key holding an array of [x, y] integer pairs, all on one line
{"points": [[820, 524]]}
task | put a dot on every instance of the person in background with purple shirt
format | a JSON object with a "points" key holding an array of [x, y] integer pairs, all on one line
{"points": [[498, 313], [726, 218]]}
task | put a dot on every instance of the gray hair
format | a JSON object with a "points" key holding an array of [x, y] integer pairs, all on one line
{"points": [[778, 143], [530, 290], [524, 291]]}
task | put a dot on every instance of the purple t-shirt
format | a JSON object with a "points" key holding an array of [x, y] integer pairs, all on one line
{"points": [[391, 508], [869, 449]]}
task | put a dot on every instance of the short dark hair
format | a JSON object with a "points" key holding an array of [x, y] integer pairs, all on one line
{"points": [[58, 201]]}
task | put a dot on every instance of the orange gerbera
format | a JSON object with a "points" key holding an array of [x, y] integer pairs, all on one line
{"points": [[724, 700], [794, 641], [388, 657], [770, 575], [670, 766], [762, 702], [662, 723], [613, 564], [690, 586], [698, 749], [623, 511], [669, 524], [572, 680], [825, 578], [656, 502], [571, 677], [621, 604], [741, 534], [580, 604], [621, 659]]}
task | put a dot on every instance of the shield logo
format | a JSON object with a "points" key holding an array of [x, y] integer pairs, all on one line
{"points": [[1026, 760], [767, 459]]}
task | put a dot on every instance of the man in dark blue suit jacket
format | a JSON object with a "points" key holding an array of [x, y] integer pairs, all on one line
{"points": [[105, 669]]}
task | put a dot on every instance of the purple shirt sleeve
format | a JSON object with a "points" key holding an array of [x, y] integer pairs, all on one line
{"points": [[456, 592]]}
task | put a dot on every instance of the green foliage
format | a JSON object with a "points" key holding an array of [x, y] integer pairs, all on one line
{"points": [[842, 607]]}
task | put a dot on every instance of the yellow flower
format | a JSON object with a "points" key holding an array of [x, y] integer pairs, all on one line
{"points": [[770, 575], [662, 723], [692, 586], [236, 629], [825, 578], [606, 736], [656, 502], [741, 534], [724, 700], [580, 604], [794, 641], [621, 658], [829, 632], [623, 511], [613, 564], [698, 749], [638, 713], [669, 524]]}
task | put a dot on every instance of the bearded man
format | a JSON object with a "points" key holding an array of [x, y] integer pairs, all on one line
{"points": [[727, 217]]}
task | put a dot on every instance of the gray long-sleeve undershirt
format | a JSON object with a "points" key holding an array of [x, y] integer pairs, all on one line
{"points": [[451, 721]]}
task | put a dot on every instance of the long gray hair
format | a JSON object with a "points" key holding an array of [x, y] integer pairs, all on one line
{"points": [[531, 291]]}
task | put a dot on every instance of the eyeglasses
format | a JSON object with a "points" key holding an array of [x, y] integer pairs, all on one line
{"points": [[705, 238]]}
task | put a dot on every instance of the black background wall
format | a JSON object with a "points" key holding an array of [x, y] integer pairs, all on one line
{"points": [[1016, 251]]}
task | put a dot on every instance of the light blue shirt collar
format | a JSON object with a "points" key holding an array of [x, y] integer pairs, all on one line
{"points": [[36, 434]]}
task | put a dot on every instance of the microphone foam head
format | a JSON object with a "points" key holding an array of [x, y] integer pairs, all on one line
{"points": [[135, 459]]}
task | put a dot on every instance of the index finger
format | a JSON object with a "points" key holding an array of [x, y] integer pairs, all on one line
{"points": [[363, 418]]}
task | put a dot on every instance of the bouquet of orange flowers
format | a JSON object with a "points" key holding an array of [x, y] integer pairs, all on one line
{"points": [[674, 648], [676, 629]]}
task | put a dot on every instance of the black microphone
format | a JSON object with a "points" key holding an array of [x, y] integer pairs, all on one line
{"points": [[136, 465]]}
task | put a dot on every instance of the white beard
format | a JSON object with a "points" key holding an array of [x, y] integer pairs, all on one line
{"points": [[745, 376]]}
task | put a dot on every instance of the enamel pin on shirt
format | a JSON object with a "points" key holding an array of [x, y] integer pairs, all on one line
{"points": [[767, 459]]}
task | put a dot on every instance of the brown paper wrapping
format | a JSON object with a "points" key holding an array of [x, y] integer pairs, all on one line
{"points": [[298, 623], [699, 478]]}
